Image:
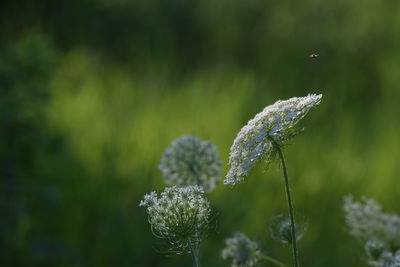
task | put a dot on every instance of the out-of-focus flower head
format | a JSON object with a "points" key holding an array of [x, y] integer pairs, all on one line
{"points": [[190, 161], [273, 126], [380, 232], [243, 251]]}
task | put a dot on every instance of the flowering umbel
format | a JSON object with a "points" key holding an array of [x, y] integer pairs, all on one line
{"points": [[380, 232], [243, 251], [191, 161], [180, 215], [273, 126]]}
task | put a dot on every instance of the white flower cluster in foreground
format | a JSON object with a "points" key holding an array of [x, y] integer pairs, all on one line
{"points": [[379, 231], [180, 215], [191, 161], [256, 139], [243, 251]]}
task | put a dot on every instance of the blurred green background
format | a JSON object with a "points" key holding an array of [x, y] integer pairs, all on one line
{"points": [[93, 91]]}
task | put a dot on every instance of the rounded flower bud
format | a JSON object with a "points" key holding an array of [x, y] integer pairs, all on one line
{"points": [[281, 229], [274, 125], [243, 251], [190, 161], [180, 215]]}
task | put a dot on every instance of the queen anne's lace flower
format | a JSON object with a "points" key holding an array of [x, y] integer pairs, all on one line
{"points": [[180, 215], [191, 161], [388, 259], [243, 251], [274, 125], [380, 231]]}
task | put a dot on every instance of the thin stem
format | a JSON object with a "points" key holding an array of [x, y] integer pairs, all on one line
{"points": [[272, 260], [290, 205], [194, 251]]}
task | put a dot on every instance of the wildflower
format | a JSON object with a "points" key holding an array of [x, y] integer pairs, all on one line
{"points": [[273, 126], [191, 161], [366, 221], [388, 259], [180, 215], [242, 250], [379, 231]]}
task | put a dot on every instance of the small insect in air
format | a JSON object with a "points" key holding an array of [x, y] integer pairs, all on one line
{"points": [[313, 55]]}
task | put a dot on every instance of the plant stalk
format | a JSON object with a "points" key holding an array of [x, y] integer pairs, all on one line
{"points": [[194, 251], [272, 260], [290, 205]]}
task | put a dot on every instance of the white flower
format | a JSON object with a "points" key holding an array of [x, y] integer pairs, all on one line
{"points": [[388, 259], [191, 161], [273, 126], [243, 251], [366, 221], [180, 215], [380, 231]]}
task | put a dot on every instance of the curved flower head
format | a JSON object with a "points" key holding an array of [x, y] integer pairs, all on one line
{"points": [[180, 215], [191, 161], [273, 126], [243, 251]]}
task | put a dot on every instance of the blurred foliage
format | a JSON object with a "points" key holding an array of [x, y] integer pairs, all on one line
{"points": [[93, 91]]}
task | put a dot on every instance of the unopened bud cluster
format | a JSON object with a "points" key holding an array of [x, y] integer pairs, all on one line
{"points": [[281, 229]]}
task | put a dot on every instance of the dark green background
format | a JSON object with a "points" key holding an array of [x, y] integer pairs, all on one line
{"points": [[92, 92]]}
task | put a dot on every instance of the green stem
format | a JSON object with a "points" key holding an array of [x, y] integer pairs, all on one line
{"points": [[290, 205], [194, 251], [272, 260]]}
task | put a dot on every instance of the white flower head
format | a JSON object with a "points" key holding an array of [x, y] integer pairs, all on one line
{"points": [[388, 259], [378, 230], [180, 215], [274, 125], [191, 161], [243, 251], [366, 221]]}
